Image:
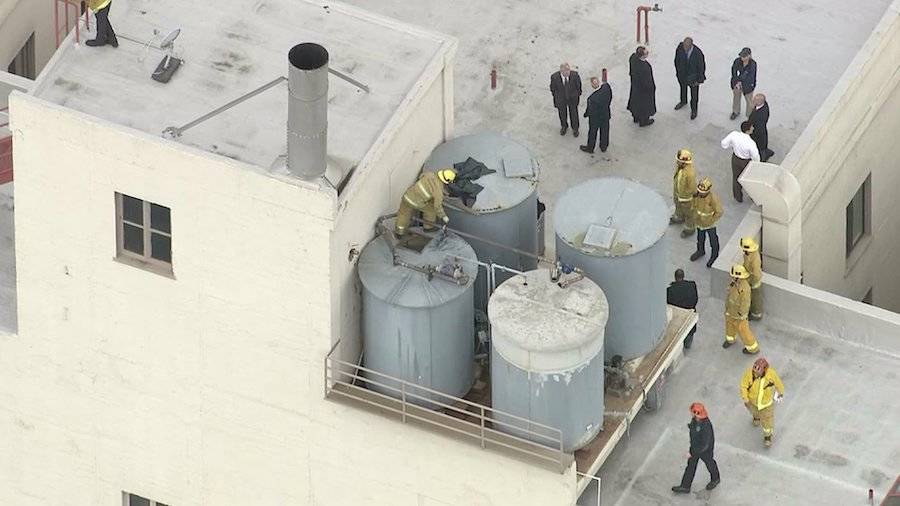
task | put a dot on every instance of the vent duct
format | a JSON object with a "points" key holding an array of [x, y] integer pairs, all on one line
{"points": [[307, 126]]}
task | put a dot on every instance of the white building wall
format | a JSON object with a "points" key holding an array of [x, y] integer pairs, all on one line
{"points": [[853, 135], [205, 389], [18, 20]]}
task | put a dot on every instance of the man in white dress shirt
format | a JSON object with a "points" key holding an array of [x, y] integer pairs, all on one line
{"points": [[743, 149]]}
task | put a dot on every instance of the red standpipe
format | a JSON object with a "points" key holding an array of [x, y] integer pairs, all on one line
{"points": [[493, 79], [646, 10]]}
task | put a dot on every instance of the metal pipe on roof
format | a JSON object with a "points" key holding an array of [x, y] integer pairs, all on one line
{"points": [[307, 127]]}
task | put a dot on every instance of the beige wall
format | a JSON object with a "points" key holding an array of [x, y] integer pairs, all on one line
{"points": [[18, 20], [205, 389], [853, 135]]}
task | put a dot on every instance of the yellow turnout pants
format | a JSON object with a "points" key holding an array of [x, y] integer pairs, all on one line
{"points": [[756, 302], [684, 214], [734, 326], [766, 417], [406, 212]]}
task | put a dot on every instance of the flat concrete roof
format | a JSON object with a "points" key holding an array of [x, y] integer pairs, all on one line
{"points": [[229, 48], [835, 433]]}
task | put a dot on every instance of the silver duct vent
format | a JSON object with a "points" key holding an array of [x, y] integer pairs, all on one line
{"points": [[307, 128]]}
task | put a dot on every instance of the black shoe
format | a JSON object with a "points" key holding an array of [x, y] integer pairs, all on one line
{"points": [[740, 200], [114, 42], [679, 105], [733, 115], [712, 484], [693, 114], [678, 489], [648, 123], [563, 130], [710, 262], [603, 150], [687, 233], [585, 149], [727, 344], [745, 351], [574, 133], [95, 43], [697, 254]]}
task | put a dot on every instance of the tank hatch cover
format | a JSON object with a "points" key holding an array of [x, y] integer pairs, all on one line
{"points": [[517, 165], [599, 236]]}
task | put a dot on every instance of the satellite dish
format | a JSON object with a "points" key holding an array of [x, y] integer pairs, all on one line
{"points": [[170, 39]]}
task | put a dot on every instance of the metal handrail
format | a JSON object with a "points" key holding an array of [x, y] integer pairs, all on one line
{"points": [[349, 376]]}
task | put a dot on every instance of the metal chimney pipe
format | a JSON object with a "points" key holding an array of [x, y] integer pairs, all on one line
{"points": [[307, 127]]}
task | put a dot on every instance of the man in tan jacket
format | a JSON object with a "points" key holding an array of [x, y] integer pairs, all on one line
{"points": [[707, 210], [684, 186]]}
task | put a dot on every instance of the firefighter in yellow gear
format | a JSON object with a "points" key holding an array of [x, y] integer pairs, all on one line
{"points": [[753, 264], [761, 388], [683, 187], [105, 33], [425, 195], [737, 307], [707, 210]]}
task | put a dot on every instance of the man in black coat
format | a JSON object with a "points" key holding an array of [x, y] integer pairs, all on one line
{"points": [[565, 86], [632, 60], [642, 102], [759, 118], [597, 113], [683, 293], [703, 442], [690, 69], [743, 81]]}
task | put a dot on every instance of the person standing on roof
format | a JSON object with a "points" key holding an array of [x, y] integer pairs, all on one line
{"points": [[642, 102], [707, 209], [690, 70], [565, 87], [703, 442], [753, 264], [761, 388], [737, 307], [105, 33], [743, 82], [743, 150], [425, 195], [684, 186], [683, 293], [597, 113]]}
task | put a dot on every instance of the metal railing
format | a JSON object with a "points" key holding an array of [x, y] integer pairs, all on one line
{"points": [[436, 409]]}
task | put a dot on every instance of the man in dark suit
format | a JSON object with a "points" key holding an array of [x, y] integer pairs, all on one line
{"points": [[642, 102], [683, 293], [690, 69], [565, 86], [743, 81], [597, 113], [759, 118]]}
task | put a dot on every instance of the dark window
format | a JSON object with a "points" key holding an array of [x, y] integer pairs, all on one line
{"points": [[23, 63], [858, 215], [144, 233]]}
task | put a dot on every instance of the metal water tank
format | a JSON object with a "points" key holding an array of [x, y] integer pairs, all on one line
{"points": [[419, 327], [547, 356], [504, 212], [614, 230]]}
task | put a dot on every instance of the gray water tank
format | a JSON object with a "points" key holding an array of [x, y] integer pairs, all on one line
{"points": [[505, 211], [614, 229], [414, 328], [547, 356]]}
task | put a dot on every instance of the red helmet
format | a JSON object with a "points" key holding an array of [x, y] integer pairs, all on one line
{"points": [[699, 410], [761, 365]]}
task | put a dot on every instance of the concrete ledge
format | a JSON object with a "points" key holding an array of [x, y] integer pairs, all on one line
{"points": [[807, 308]]}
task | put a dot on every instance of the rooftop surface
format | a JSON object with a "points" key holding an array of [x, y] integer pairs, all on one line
{"points": [[7, 261], [230, 48], [835, 434]]}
